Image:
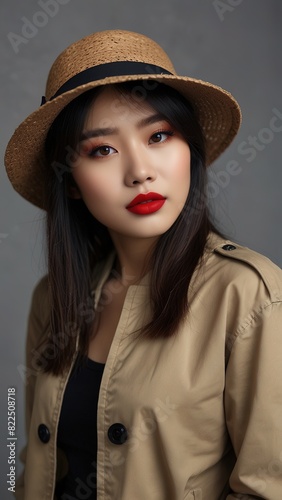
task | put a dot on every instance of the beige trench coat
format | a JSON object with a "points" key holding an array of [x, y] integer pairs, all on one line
{"points": [[203, 410]]}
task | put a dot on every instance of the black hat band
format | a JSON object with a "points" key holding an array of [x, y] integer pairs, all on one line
{"points": [[118, 68]]}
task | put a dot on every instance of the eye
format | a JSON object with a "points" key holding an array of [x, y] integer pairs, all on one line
{"points": [[160, 136], [91, 151], [102, 151]]}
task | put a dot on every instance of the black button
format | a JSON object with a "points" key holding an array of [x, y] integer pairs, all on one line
{"points": [[43, 433], [228, 247], [117, 434]]}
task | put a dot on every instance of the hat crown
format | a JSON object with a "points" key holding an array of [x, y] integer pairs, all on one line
{"points": [[108, 58], [101, 48]]}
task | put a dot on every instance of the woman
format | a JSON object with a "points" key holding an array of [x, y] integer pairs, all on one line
{"points": [[154, 346]]}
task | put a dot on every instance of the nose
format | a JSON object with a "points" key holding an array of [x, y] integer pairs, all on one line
{"points": [[139, 169]]}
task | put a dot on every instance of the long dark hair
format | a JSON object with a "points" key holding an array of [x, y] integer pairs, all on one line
{"points": [[77, 242]]}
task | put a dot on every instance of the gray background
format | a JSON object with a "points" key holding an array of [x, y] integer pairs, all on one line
{"points": [[239, 50]]}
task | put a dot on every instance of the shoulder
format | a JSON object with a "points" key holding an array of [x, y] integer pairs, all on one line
{"points": [[41, 289], [39, 315], [230, 262], [40, 302]]}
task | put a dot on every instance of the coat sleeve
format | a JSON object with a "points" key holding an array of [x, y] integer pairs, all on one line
{"points": [[253, 405], [36, 329]]}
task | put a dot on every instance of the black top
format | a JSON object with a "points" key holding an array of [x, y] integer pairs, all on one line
{"points": [[77, 431]]}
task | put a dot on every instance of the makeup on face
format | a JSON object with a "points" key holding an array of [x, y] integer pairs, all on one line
{"points": [[133, 173], [145, 204]]}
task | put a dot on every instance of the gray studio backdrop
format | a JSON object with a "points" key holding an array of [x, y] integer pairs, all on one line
{"points": [[233, 43]]}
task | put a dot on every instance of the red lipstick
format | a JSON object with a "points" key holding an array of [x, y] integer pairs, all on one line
{"points": [[145, 204]]}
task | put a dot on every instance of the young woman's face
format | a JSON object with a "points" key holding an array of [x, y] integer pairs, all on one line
{"points": [[132, 168]]}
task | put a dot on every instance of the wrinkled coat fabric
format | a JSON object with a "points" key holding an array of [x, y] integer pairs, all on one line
{"points": [[203, 409]]}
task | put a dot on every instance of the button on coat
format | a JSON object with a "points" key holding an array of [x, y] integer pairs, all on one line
{"points": [[228, 248], [43, 433], [117, 433], [193, 415]]}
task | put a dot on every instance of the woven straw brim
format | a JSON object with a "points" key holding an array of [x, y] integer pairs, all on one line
{"points": [[218, 114]]}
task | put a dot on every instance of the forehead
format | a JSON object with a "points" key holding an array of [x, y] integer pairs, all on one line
{"points": [[115, 106]]}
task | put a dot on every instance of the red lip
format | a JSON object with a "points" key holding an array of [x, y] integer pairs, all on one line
{"points": [[148, 203]]}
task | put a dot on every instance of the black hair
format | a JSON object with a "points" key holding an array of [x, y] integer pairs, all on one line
{"points": [[77, 242]]}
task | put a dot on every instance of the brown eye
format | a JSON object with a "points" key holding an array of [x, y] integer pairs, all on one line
{"points": [[103, 151], [160, 136], [87, 149]]}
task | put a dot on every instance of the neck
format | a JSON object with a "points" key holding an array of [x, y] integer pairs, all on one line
{"points": [[132, 257]]}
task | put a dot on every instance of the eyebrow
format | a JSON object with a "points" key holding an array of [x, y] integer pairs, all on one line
{"points": [[100, 132]]}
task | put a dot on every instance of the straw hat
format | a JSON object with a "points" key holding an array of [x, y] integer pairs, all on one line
{"points": [[104, 58]]}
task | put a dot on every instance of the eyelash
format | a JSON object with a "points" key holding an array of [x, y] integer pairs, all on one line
{"points": [[170, 133], [93, 150]]}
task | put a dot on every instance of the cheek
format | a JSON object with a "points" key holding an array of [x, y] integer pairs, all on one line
{"points": [[95, 194], [182, 166], [91, 187]]}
